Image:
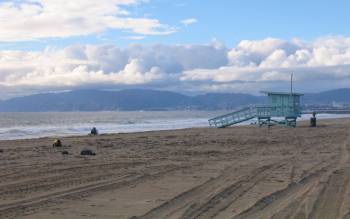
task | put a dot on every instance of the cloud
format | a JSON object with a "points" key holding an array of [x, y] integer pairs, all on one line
{"points": [[28, 20], [322, 64], [104, 65], [189, 21], [135, 37], [248, 67]]}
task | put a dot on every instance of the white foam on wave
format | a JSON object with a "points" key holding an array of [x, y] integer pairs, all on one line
{"points": [[44, 129], [108, 128]]}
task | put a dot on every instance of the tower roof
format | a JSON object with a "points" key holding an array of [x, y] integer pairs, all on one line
{"points": [[281, 93]]}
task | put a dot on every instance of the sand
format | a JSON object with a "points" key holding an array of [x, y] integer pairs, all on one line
{"points": [[238, 172]]}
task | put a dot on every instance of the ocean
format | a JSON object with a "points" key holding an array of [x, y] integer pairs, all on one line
{"points": [[36, 125]]}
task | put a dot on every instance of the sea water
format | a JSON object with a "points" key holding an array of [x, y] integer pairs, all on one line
{"points": [[48, 124]]}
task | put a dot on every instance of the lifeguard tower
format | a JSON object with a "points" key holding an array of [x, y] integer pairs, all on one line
{"points": [[282, 108]]}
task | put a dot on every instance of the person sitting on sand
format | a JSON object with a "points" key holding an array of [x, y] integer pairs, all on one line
{"points": [[94, 131], [57, 143]]}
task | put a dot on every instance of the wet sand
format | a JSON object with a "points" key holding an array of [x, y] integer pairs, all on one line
{"points": [[238, 172]]}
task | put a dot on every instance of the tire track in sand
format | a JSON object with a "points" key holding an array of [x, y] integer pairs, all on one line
{"points": [[211, 197], [331, 198], [33, 204], [291, 202], [216, 195]]}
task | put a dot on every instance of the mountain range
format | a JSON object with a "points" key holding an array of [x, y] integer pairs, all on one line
{"points": [[139, 99]]}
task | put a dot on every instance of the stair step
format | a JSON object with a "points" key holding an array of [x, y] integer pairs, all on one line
{"points": [[234, 117]]}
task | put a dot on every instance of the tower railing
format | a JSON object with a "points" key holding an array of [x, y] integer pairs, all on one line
{"points": [[248, 113]]}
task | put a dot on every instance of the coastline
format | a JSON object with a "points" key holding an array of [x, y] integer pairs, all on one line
{"points": [[83, 130]]}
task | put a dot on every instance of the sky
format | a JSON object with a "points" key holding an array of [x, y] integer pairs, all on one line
{"points": [[188, 46]]}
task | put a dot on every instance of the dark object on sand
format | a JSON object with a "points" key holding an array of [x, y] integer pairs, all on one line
{"points": [[1, 151], [313, 120], [57, 143], [65, 152], [87, 152], [94, 131]]}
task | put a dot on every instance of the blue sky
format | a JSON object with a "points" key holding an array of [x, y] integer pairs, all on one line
{"points": [[231, 21], [186, 46], [228, 21]]}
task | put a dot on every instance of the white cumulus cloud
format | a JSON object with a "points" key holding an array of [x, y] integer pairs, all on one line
{"points": [[89, 65], [189, 21], [36, 19], [322, 64], [248, 67]]}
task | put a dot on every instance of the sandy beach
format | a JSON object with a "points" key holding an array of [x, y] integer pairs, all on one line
{"points": [[237, 172]]}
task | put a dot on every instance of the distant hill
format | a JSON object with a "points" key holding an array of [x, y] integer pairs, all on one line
{"points": [[328, 97], [139, 99], [94, 100]]}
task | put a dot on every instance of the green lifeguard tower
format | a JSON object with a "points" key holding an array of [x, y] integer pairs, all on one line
{"points": [[282, 108], [280, 104]]}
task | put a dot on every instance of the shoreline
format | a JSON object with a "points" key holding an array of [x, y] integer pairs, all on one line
{"points": [[299, 121]]}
